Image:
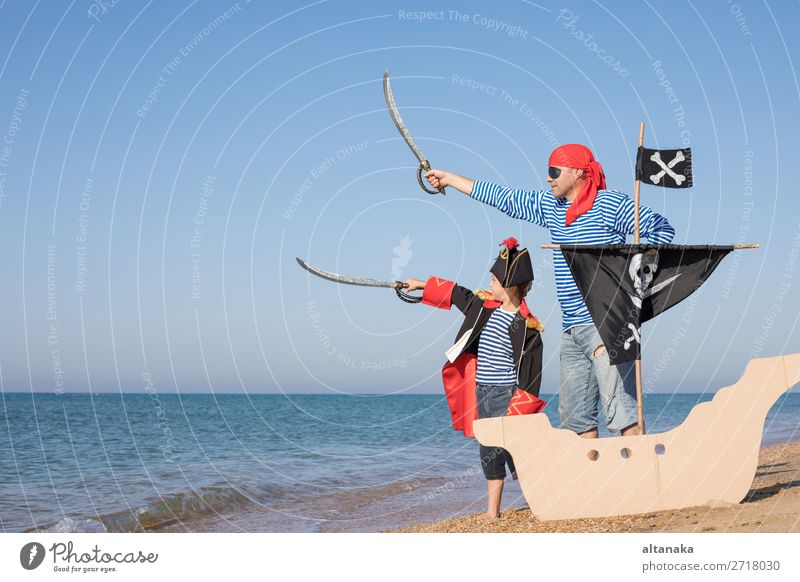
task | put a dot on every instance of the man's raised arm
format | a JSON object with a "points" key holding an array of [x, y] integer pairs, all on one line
{"points": [[516, 203]]}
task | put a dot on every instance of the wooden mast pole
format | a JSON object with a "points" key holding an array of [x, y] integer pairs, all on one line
{"points": [[638, 362]]}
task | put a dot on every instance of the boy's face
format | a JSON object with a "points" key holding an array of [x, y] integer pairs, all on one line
{"points": [[498, 292]]}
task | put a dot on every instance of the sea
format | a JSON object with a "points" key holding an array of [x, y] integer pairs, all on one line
{"points": [[258, 463]]}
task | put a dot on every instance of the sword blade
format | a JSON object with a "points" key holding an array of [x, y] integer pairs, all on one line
{"points": [[336, 278], [398, 121]]}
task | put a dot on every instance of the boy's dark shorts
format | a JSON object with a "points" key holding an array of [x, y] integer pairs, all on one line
{"points": [[492, 402]]}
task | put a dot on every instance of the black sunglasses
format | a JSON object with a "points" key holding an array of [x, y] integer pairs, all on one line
{"points": [[553, 172]]}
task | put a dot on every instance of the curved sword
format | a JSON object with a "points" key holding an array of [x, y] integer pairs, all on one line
{"points": [[424, 165], [360, 281]]}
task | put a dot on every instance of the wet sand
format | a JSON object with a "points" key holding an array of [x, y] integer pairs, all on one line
{"points": [[771, 505]]}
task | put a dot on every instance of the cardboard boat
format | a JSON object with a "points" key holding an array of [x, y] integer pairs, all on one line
{"points": [[710, 457]]}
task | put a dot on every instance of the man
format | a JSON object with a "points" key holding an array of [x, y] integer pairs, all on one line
{"points": [[577, 209]]}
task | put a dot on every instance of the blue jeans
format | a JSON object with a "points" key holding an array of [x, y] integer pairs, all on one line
{"points": [[587, 378], [493, 401]]}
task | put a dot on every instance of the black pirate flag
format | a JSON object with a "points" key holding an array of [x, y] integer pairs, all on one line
{"points": [[669, 168], [625, 285]]}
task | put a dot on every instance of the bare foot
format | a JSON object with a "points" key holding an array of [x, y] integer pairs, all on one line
{"points": [[490, 515]]}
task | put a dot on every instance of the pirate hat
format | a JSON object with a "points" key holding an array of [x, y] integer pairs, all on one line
{"points": [[513, 265]]}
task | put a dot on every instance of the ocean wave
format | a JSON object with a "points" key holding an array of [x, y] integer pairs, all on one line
{"points": [[169, 510], [185, 507]]}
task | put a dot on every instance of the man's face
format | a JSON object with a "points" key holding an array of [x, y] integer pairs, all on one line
{"points": [[564, 185]]}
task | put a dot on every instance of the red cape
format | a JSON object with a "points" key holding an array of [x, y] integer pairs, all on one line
{"points": [[459, 376]]}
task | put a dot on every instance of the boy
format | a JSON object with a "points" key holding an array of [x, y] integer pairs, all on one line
{"points": [[495, 366]]}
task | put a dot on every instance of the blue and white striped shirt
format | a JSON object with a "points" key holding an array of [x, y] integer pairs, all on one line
{"points": [[495, 355], [608, 221]]}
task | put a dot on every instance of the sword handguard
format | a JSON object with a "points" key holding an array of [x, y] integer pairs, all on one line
{"points": [[407, 297], [425, 166]]}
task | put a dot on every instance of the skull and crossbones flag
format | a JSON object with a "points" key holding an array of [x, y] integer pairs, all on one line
{"points": [[668, 168], [626, 285]]}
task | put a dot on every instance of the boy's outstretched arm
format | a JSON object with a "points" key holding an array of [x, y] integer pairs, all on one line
{"points": [[516, 203], [442, 293]]}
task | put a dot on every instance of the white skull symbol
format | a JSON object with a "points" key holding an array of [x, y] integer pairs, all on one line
{"points": [[642, 270]]}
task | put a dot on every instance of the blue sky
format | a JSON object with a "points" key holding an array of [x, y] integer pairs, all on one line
{"points": [[163, 163]]}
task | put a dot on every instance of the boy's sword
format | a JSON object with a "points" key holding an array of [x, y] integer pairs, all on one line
{"points": [[424, 165], [360, 281]]}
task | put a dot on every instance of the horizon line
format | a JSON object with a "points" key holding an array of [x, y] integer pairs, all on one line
{"points": [[89, 393]]}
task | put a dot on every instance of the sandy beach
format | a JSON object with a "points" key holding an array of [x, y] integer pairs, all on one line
{"points": [[771, 505]]}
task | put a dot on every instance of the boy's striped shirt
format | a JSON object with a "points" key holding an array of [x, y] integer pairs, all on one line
{"points": [[495, 355], [608, 222]]}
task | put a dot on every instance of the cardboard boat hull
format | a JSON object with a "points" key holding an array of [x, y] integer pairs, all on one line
{"points": [[711, 457]]}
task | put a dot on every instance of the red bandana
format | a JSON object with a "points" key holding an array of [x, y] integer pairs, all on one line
{"points": [[578, 156]]}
